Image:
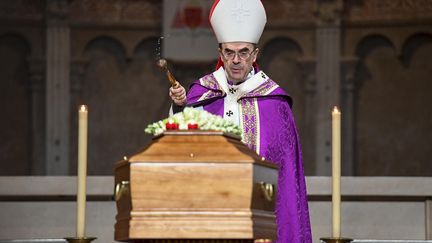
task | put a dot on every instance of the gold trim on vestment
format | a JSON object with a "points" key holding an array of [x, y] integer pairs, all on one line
{"points": [[250, 124]]}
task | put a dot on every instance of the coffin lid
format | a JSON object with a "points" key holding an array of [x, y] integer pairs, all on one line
{"points": [[196, 147]]}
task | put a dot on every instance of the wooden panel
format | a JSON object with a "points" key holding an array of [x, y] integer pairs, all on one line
{"points": [[195, 185], [198, 146]]}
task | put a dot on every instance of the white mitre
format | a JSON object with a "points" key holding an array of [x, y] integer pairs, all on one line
{"points": [[238, 20]]}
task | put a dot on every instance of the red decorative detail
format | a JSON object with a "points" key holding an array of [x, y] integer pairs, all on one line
{"points": [[178, 21], [192, 126], [213, 8], [220, 64], [193, 16], [171, 126], [168, 126]]}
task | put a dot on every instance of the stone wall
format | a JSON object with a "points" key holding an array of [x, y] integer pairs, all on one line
{"points": [[372, 208], [382, 86]]}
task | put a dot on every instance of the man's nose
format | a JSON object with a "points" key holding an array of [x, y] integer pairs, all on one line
{"points": [[236, 58]]}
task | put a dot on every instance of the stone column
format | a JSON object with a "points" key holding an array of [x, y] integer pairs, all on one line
{"points": [[348, 66], [57, 88], [78, 69], [328, 35], [309, 74], [37, 66]]}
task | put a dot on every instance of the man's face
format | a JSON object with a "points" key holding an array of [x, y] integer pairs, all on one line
{"points": [[238, 58]]}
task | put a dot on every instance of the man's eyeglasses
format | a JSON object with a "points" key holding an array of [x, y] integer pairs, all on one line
{"points": [[242, 54]]}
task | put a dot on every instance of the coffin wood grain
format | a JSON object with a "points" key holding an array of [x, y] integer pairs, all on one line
{"points": [[195, 186]]}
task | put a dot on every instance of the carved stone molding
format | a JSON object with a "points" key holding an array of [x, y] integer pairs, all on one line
{"points": [[329, 11], [348, 86], [78, 69], [37, 69], [348, 67], [22, 10], [287, 13], [388, 10], [117, 12], [309, 71], [328, 89], [57, 88], [57, 12]]}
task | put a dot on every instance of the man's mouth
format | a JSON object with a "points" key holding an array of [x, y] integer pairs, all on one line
{"points": [[236, 69]]}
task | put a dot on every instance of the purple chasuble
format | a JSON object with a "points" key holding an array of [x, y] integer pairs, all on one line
{"points": [[269, 129]]}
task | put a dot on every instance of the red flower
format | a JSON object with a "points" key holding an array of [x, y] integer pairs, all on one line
{"points": [[192, 126], [170, 125]]}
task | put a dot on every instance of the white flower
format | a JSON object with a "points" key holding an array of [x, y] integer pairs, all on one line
{"points": [[204, 119], [183, 126]]}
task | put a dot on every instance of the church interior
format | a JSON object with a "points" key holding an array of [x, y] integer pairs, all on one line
{"points": [[371, 58]]}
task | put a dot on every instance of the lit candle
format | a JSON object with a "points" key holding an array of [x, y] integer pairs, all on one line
{"points": [[336, 171], [82, 170]]}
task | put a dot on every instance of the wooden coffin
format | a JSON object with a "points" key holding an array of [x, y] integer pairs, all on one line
{"points": [[195, 185]]}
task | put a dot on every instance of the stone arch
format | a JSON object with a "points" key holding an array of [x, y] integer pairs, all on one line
{"points": [[106, 58], [412, 44], [108, 45], [275, 46], [148, 48], [144, 56], [21, 46], [280, 59], [16, 131], [364, 77], [18, 39], [364, 47], [33, 42], [371, 42], [123, 97], [387, 95], [149, 80], [103, 88]]}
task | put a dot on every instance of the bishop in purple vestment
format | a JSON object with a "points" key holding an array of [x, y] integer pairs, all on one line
{"points": [[245, 95]]}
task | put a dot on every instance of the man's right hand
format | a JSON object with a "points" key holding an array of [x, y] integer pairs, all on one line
{"points": [[178, 94]]}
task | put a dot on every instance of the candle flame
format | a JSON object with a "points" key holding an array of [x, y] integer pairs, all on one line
{"points": [[83, 108], [336, 110]]}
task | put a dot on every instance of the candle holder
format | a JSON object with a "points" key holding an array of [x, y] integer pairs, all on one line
{"points": [[263, 241], [335, 240], [80, 239]]}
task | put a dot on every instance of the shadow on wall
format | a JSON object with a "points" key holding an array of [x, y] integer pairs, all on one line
{"points": [[392, 119], [123, 96]]}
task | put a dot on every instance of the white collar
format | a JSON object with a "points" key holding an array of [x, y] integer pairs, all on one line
{"points": [[251, 83]]}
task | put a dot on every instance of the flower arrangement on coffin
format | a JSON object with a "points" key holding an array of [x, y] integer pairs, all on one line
{"points": [[192, 119]]}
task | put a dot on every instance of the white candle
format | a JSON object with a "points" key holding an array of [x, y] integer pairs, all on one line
{"points": [[82, 170], [336, 172]]}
